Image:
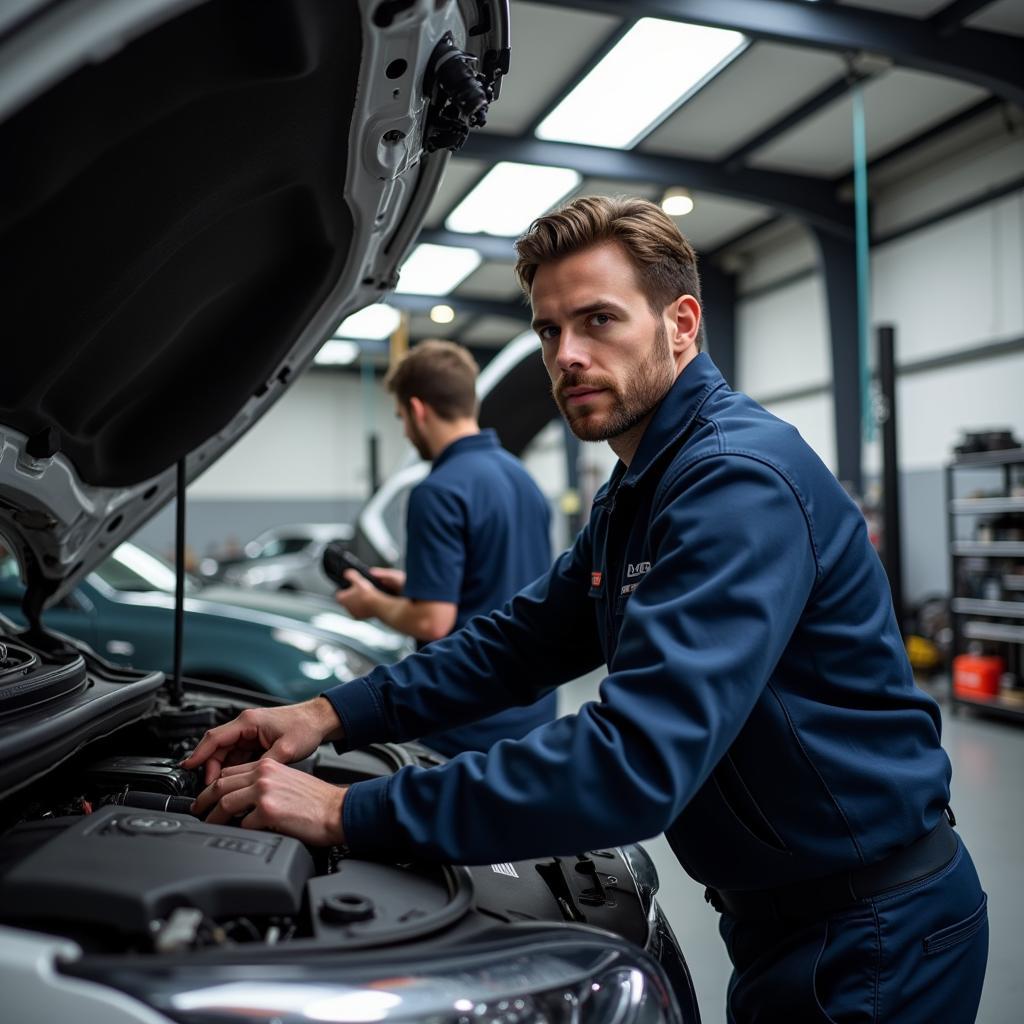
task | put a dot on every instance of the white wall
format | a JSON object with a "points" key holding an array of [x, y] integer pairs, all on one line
{"points": [[956, 166], [312, 444], [812, 416], [782, 250], [934, 407], [949, 288], [783, 339], [956, 285]]}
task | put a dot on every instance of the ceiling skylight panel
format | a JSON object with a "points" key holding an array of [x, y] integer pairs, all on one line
{"points": [[510, 197], [646, 75], [336, 352], [436, 269], [373, 323]]}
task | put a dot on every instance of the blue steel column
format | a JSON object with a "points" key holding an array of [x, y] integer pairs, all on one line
{"points": [[573, 515], [837, 258], [860, 189], [718, 294]]}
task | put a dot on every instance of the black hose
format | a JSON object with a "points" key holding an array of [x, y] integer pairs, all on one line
{"points": [[151, 801]]}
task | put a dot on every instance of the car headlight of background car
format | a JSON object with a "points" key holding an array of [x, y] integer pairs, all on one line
{"points": [[253, 577], [565, 980], [325, 660]]}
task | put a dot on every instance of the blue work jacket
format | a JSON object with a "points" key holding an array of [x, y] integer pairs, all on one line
{"points": [[759, 707]]}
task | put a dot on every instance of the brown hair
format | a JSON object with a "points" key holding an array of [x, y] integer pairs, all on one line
{"points": [[440, 373], [665, 262]]}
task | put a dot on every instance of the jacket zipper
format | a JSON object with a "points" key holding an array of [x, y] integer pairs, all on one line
{"points": [[611, 581]]}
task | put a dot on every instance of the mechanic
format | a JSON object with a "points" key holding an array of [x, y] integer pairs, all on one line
{"points": [[758, 708], [477, 528]]}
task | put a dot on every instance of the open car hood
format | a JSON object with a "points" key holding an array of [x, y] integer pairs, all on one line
{"points": [[192, 198]]}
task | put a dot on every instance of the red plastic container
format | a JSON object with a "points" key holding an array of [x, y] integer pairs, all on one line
{"points": [[977, 674]]}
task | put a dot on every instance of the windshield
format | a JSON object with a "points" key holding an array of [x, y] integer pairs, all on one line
{"points": [[283, 546], [131, 569]]}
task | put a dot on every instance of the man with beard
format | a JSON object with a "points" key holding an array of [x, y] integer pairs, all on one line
{"points": [[477, 529], [759, 707]]}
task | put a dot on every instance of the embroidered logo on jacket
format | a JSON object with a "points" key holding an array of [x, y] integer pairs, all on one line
{"points": [[595, 579], [633, 571]]}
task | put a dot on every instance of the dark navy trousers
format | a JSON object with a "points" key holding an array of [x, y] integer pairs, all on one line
{"points": [[914, 955]]}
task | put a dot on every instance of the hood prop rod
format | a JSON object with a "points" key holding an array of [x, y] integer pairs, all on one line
{"points": [[179, 583]]}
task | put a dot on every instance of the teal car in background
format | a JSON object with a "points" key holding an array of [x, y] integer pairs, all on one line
{"points": [[288, 645]]}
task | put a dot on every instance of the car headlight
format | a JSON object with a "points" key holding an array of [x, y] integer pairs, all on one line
{"points": [[377, 638], [566, 980], [344, 664], [325, 660]]}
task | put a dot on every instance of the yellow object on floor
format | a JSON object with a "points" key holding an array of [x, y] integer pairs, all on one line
{"points": [[923, 654]]}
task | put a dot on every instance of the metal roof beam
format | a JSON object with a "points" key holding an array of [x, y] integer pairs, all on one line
{"points": [[461, 304], [987, 59], [832, 92], [811, 199], [740, 236], [908, 145], [491, 247], [952, 17]]}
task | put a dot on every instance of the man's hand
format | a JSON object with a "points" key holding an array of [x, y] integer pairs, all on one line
{"points": [[424, 620], [283, 734], [392, 580], [362, 600], [271, 796]]}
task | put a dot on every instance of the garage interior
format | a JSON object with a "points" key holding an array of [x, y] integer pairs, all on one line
{"points": [[851, 174]]}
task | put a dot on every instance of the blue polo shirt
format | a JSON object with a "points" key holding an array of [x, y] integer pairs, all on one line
{"points": [[477, 533]]}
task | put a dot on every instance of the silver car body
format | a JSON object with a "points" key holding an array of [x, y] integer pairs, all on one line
{"points": [[286, 557]]}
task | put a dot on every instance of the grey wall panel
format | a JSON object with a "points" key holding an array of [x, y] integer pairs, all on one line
{"points": [[212, 521], [925, 541]]}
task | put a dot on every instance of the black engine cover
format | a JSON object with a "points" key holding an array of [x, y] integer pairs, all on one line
{"points": [[127, 867]]}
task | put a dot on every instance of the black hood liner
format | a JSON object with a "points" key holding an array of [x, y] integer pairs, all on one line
{"points": [[170, 219]]}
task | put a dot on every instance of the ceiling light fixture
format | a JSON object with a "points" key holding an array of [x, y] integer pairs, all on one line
{"points": [[654, 67], [337, 352], [510, 197], [677, 202], [373, 323], [436, 269], [442, 314]]}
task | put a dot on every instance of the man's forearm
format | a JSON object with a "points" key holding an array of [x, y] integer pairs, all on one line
{"points": [[418, 619], [328, 720], [546, 636]]}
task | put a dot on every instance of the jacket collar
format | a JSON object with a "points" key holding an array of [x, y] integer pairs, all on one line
{"points": [[670, 421], [486, 439]]}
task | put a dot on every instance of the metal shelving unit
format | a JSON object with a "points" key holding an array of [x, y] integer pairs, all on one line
{"points": [[995, 616], [998, 705], [974, 606], [989, 548], [988, 505]]}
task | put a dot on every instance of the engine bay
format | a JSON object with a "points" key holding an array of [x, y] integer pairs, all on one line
{"points": [[103, 848]]}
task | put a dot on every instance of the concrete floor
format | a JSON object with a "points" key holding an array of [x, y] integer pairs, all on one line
{"points": [[988, 800]]}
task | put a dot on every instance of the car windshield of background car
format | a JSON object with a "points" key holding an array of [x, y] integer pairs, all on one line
{"points": [[131, 569]]}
